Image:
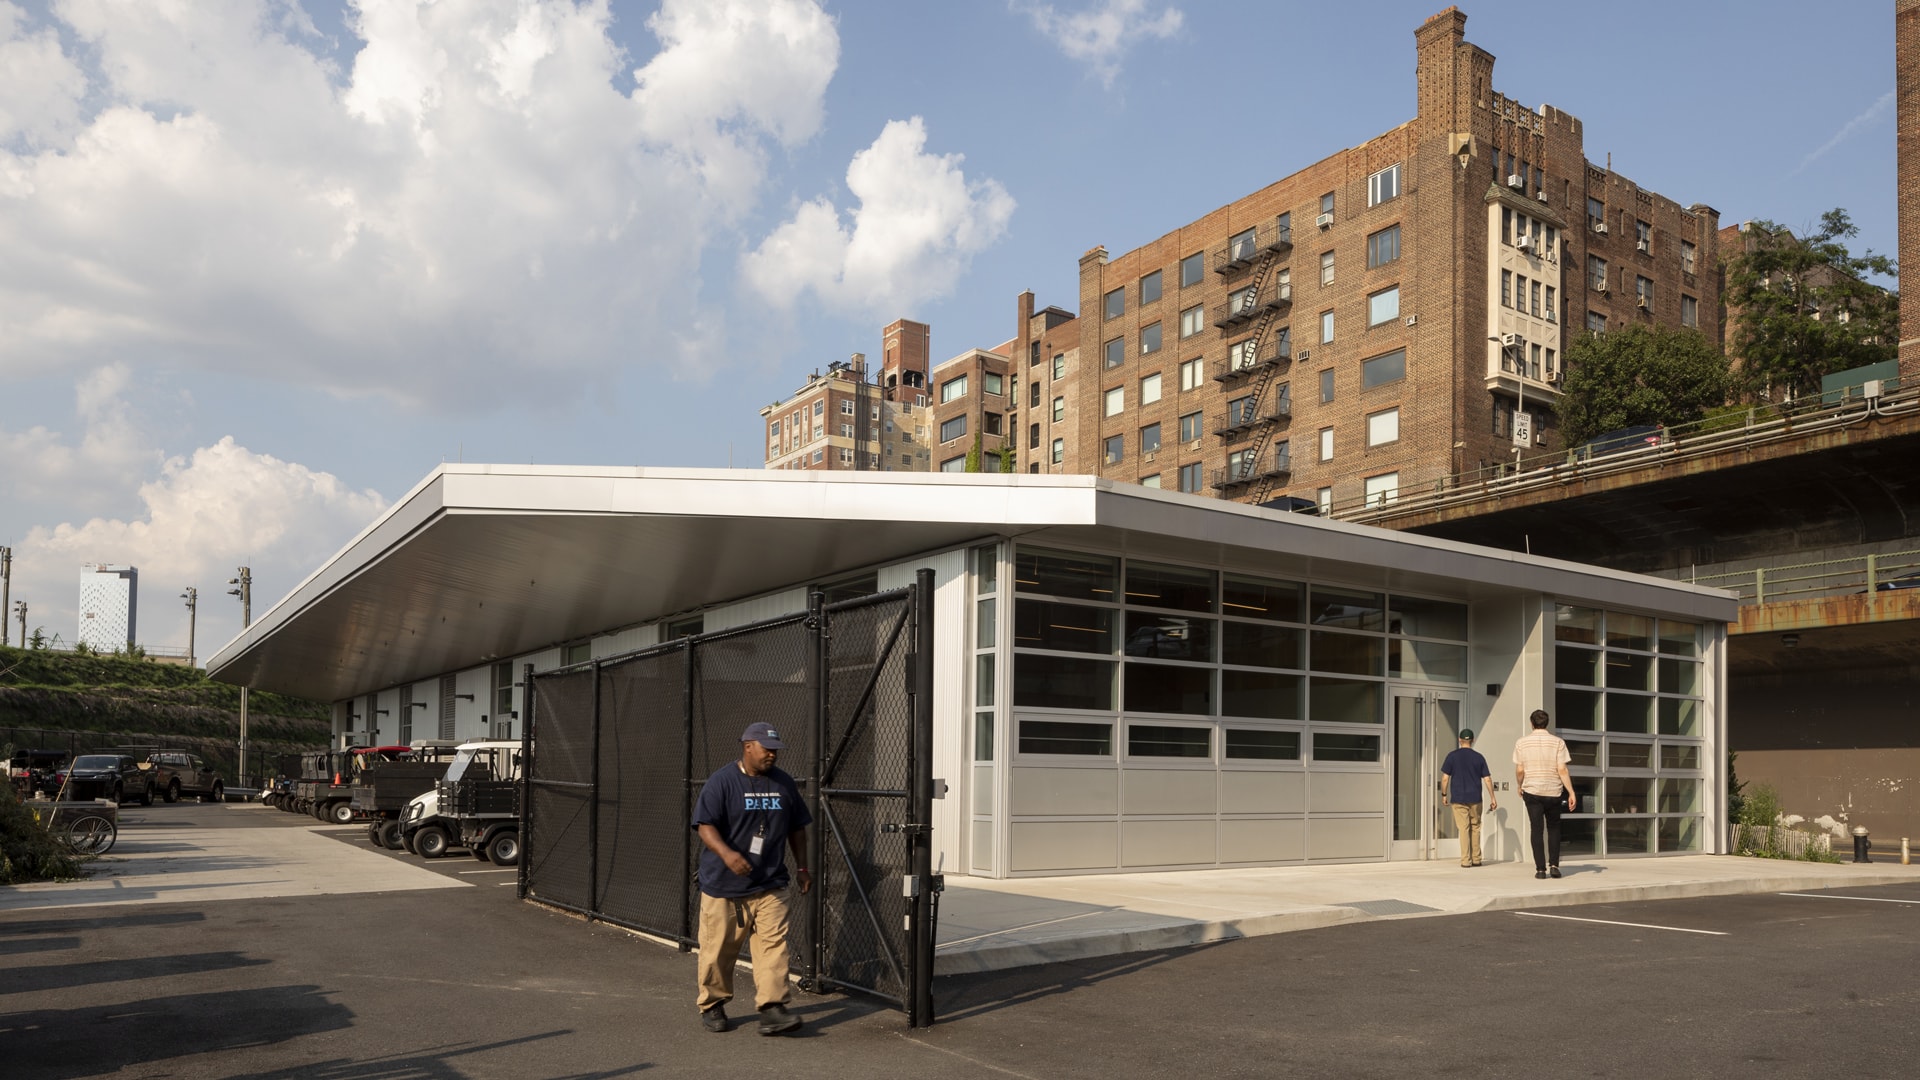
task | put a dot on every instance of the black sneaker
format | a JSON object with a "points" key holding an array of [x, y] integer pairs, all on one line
{"points": [[715, 1019], [1540, 873], [776, 1020], [1553, 871]]}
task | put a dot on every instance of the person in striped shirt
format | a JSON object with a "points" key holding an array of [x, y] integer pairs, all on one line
{"points": [[1540, 767]]}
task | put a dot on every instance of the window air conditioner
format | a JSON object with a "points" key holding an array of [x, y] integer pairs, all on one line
{"points": [[1641, 245], [1642, 304], [1600, 227], [1286, 291], [1148, 456], [1411, 319], [1512, 341], [1553, 378], [1524, 243], [1517, 182], [1195, 444], [1324, 220]]}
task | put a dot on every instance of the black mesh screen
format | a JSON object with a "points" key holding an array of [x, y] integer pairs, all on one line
{"points": [[643, 835], [556, 850]]}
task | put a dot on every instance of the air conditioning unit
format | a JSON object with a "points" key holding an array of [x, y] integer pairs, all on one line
{"points": [[1148, 456], [1540, 195], [1286, 291], [1324, 220], [1601, 289], [1195, 444], [1642, 304], [1411, 319], [1600, 227], [1518, 182], [1641, 246], [1511, 341], [1303, 357], [1553, 378], [1524, 243]]}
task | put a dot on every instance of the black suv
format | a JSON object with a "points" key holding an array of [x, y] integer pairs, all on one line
{"points": [[115, 777], [178, 773]]}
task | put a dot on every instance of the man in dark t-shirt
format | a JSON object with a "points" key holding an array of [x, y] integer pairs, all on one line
{"points": [[748, 816], [1461, 775]]}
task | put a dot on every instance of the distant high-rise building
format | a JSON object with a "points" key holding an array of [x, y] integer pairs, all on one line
{"points": [[845, 420], [109, 599]]}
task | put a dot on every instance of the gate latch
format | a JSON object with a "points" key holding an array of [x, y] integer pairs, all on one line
{"points": [[907, 827]]}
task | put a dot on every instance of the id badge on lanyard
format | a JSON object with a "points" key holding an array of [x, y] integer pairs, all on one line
{"points": [[759, 841]]}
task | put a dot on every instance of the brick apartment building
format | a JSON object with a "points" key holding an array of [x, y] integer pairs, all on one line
{"points": [[1373, 321], [976, 395], [842, 420]]}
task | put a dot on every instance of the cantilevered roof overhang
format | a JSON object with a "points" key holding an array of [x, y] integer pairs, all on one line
{"points": [[484, 562]]}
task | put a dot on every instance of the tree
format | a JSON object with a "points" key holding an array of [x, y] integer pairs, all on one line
{"points": [[1639, 375], [1801, 308]]}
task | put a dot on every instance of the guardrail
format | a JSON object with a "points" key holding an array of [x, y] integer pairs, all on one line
{"points": [[1808, 580], [1757, 426]]}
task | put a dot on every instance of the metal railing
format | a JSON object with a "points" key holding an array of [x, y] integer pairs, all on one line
{"points": [[1232, 256], [1247, 305], [1756, 426], [1264, 356], [1809, 580]]}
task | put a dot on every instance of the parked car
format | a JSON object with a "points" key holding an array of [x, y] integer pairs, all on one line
{"points": [[1908, 580], [1619, 442], [114, 777], [33, 771], [179, 773]]}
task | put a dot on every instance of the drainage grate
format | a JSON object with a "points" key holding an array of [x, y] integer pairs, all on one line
{"points": [[1388, 907]]}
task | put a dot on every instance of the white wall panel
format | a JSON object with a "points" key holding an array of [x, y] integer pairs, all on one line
{"points": [[1263, 840], [1169, 791], [1064, 792], [1167, 843], [1347, 793], [1346, 838], [1063, 845], [1263, 792]]}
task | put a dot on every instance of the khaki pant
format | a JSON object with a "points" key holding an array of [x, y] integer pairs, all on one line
{"points": [[1466, 822], [725, 925]]}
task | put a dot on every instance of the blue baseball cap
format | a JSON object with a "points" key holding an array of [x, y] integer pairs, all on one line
{"points": [[764, 734]]}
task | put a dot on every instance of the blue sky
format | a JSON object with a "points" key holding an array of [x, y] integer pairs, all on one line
{"points": [[268, 263]]}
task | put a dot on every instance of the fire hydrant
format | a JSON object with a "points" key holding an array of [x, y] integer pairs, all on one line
{"points": [[1861, 844]]}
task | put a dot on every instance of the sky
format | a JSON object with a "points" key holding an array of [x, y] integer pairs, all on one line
{"points": [[265, 264]]}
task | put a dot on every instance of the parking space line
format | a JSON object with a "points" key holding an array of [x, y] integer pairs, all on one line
{"points": [[1610, 922], [465, 873], [1869, 899]]}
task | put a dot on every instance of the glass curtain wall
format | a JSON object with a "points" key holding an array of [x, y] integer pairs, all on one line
{"points": [[1629, 700]]}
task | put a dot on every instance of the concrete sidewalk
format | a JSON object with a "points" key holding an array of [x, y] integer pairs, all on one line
{"points": [[988, 925]]}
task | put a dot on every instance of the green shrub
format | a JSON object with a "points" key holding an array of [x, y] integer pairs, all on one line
{"points": [[28, 851]]}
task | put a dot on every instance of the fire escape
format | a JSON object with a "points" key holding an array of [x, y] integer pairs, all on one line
{"points": [[1254, 415]]}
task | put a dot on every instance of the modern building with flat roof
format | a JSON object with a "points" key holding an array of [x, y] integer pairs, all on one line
{"points": [[109, 607], [1124, 679]]}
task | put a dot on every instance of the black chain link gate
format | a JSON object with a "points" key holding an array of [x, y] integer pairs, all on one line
{"points": [[618, 748]]}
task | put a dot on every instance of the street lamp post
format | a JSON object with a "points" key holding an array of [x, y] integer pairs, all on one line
{"points": [[192, 597], [6, 591], [20, 609], [243, 588]]}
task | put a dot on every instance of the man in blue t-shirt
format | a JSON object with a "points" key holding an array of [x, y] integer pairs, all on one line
{"points": [[1460, 778], [749, 815]]}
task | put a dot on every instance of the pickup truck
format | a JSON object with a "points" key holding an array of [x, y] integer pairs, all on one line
{"points": [[178, 773]]}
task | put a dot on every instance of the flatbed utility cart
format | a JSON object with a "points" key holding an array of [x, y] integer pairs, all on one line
{"points": [[325, 789], [382, 789]]}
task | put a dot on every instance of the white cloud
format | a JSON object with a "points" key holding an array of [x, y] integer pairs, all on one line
{"points": [[1101, 35], [489, 189], [918, 222]]}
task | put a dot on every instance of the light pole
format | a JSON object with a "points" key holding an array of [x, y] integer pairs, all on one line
{"points": [[6, 591], [20, 609], [243, 588], [192, 597]]}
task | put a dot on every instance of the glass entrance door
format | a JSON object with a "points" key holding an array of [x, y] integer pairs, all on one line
{"points": [[1426, 728]]}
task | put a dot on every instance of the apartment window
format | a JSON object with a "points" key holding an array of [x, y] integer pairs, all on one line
{"points": [[1596, 322], [954, 464], [1151, 481], [1533, 361], [1383, 369], [1551, 244], [846, 408], [1150, 389], [817, 456], [1116, 352], [1191, 269], [1033, 395], [1190, 427], [1033, 353], [1326, 203], [1383, 427], [1059, 450], [1326, 268], [1383, 247], [1059, 409], [819, 408], [1643, 235], [1150, 339], [1596, 214], [1689, 311], [1383, 306], [846, 431], [1240, 245], [1150, 438], [1324, 499], [991, 422], [846, 456], [1059, 365], [1533, 293], [1033, 436], [1116, 303], [1326, 444], [1596, 273], [1115, 401], [954, 428], [1192, 320], [1326, 327], [1552, 306], [773, 429], [1551, 365], [1190, 477], [1686, 257], [953, 388], [1326, 386], [1382, 489], [1383, 185], [994, 384], [1150, 288], [1506, 288], [1643, 290], [1115, 447], [1191, 375], [1240, 410]]}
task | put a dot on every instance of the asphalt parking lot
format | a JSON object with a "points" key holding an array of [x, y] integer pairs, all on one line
{"points": [[463, 980]]}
